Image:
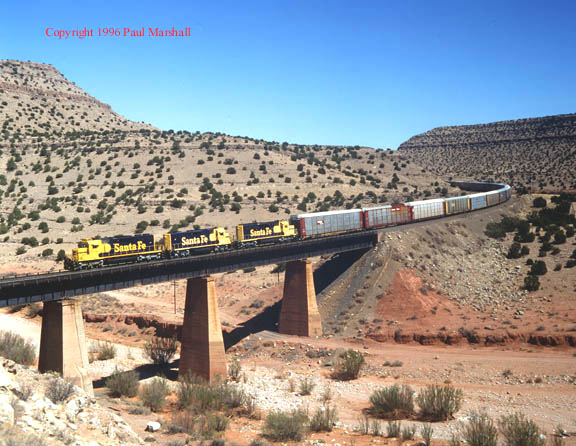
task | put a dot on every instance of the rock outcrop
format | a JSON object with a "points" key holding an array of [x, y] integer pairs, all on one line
{"points": [[29, 416], [36, 98], [538, 154]]}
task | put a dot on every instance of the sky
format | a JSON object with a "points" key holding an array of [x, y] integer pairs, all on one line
{"points": [[370, 73]]}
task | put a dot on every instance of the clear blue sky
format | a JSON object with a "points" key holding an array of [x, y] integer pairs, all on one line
{"points": [[313, 72]]}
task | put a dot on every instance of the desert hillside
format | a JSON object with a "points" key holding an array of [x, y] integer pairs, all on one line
{"points": [[63, 182], [37, 99], [537, 154]]}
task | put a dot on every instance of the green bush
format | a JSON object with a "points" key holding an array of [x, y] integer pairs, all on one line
{"points": [[153, 394], [393, 402], [323, 420], [531, 283], [161, 350], [519, 431], [194, 392], [235, 370], [495, 230], [426, 432], [479, 431], [284, 426], [123, 383], [47, 252], [103, 351], [348, 366], [393, 429], [306, 386], [16, 348], [439, 403], [59, 390], [514, 252], [408, 432], [539, 202], [538, 268], [232, 396]]}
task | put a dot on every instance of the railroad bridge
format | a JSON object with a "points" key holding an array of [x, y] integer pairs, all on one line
{"points": [[62, 342]]}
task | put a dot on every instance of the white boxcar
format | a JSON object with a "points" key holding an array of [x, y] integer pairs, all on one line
{"points": [[456, 205], [331, 222], [425, 209], [492, 198]]}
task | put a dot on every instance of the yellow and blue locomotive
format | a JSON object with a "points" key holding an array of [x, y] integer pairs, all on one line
{"points": [[94, 253]]}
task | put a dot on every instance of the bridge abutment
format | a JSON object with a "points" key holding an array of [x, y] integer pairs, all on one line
{"points": [[299, 313], [202, 351], [63, 343]]}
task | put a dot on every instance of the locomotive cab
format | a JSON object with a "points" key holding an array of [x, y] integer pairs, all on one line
{"points": [[88, 250], [220, 236]]}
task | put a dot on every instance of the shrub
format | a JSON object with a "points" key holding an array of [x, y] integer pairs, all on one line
{"points": [[232, 396], [161, 350], [59, 390], [61, 255], [235, 370], [323, 420], [182, 422], [349, 365], [514, 252], [495, 230], [306, 386], [283, 426], [393, 429], [195, 393], [153, 395], [439, 403], [123, 383], [519, 431], [393, 402], [539, 202], [480, 431], [103, 351], [538, 268], [16, 348], [531, 283], [408, 433], [426, 432]]}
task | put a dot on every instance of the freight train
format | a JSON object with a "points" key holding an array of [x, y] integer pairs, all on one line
{"points": [[92, 253]]}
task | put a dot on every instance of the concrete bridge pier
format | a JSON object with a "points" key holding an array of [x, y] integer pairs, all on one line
{"points": [[202, 351], [63, 343], [299, 313]]}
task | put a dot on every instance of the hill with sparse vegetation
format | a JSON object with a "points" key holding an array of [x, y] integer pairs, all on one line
{"points": [[76, 169], [534, 155]]}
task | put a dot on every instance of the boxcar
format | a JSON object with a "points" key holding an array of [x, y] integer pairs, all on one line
{"points": [[268, 232], [425, 209], [456, 205], [492, 198], [477, 201], [184, 242], [326, 223], [390, 215]]}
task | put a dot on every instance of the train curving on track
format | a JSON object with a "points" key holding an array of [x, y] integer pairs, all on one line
{"points": [[96, 253]]}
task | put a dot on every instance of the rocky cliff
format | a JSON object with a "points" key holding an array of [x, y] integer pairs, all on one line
{"points": [[37, 98], [34, 410], [538, 154]]}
